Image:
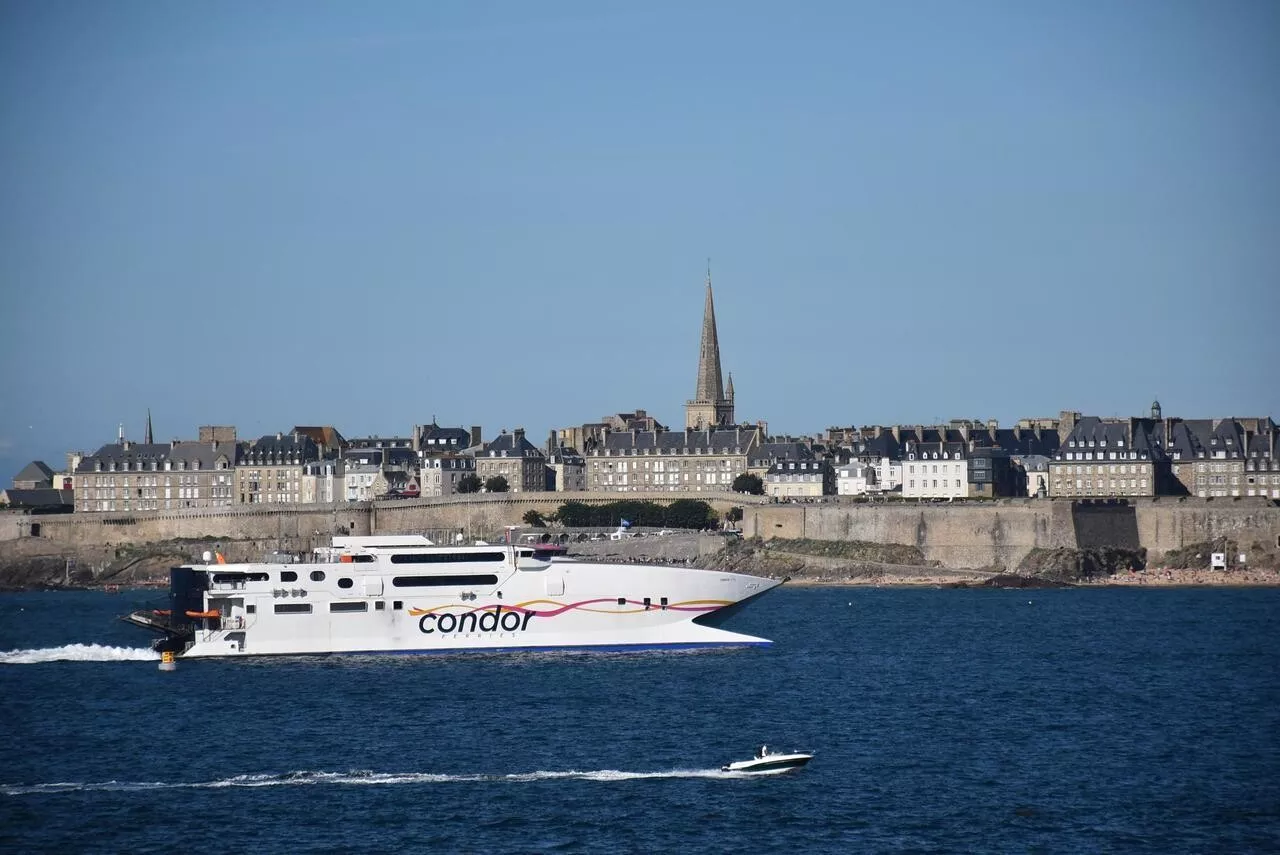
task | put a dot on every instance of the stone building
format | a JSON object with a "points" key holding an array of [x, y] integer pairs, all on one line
{"points": [[935, 470], [800, 479], [1110, 458], [856, 478], [566, 470], [439, 474], [519, 461], [1212, 458], [323, 482], [127, 476], [671, 461], [269, 470]]}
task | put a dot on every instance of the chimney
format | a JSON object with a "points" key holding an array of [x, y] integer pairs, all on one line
{"points": [[417, 438], [475, 435], [551, 442], [897, 433], [517, 437]]}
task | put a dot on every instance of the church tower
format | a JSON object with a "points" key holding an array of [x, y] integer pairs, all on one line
{"points": [[710, 406]]}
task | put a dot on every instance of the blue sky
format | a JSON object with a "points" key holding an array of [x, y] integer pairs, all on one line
{"points": [[367, 215]]}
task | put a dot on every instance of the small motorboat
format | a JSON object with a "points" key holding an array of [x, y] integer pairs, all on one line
{"points": [[768, 762]]}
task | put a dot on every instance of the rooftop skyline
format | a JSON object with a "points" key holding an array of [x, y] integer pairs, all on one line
{"points": [[500, 214]]}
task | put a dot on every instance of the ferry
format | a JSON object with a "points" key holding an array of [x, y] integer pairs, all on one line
{"points": [[405, 594]]}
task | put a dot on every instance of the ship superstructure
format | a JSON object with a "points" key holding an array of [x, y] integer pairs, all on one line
{"points": [[404, 594]]}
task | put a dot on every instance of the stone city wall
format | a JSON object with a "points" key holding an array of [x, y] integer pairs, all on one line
{"points": [[961, 535]]}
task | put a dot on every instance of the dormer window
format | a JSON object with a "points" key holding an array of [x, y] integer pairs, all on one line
{"points": [[1120, 442]]}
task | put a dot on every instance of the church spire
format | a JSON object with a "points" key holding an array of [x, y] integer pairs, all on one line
{"points": [[710, 385], [148, 439], [709, 406]]}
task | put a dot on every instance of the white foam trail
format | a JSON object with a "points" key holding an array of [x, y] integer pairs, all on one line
{"points": [[359, 778], [77, 653]]}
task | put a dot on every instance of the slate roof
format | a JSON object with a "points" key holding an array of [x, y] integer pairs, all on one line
{"points": [[395, 456], [510, 445], [433, 436], [207, 454], [1132, 435], [40, 500], [280, 450], [772, 452], [715, 441], [943, 450], [130, 456], [37, 471]]}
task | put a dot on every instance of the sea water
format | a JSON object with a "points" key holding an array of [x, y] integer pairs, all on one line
{"points": [[1082, 720]]}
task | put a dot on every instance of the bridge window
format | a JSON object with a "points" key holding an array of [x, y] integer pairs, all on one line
{"points": [[293, 608], [446, 557], [479, 579]]}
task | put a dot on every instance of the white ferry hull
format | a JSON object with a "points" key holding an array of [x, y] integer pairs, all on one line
{"points": [[489, 603]]}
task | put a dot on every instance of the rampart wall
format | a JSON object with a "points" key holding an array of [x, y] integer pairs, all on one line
{"points": [[963, 535]]}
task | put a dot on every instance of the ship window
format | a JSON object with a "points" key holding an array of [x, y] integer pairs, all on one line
{"points": [[317, 575], [232, 578], [380, 605], [622, 601], [288, 576], [664, 602], [293, 608], [348, 607], [398, 604], [345, 583], [444, 581], [250, 609], [646, 603], [445, 557]]}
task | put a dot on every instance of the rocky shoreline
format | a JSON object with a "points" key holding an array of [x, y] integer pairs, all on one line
{"points": [[826, 563]]}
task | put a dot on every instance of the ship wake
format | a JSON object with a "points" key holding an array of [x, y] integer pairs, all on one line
{"points": [[77, 653], [357, 778]]}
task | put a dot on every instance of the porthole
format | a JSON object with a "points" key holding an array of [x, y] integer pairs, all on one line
{"points": [[317, 575], [345, 583], [288, 576]]}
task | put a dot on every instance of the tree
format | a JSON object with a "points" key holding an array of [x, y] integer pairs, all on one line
{"points": [[575, 515], [734, 515], [469, 483], [496, 484], [689, 513], [748, 483], [535, 519]]}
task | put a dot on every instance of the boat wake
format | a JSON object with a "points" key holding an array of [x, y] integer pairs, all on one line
{"points": [[77, 653], [358, 778]]}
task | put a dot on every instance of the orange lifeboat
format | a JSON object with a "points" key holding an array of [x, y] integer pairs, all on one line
{"points": [[212, 613]]}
